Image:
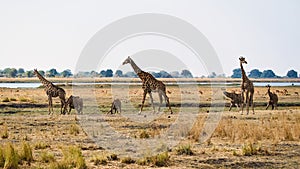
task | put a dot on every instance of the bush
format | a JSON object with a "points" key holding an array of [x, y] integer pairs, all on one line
{"points": [[73, 157], [5, 99], [144, 134], [11, 157], [161, 160], [47, 157], [127, 160], [99, 160], [185, 149], [249, 149], [2, 160], [41, 145], [74, 129], [26, 153], [4, 133]]}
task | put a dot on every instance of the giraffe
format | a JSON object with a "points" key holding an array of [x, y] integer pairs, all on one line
{"points": [[273, 98], [236, 99], [115, 106], [246, 87], [150, 84], [52, 91], [74, 102]]}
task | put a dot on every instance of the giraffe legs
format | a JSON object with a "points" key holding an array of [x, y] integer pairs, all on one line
{"points": [[143, 101], [160, 100], [247, 101], [167, 100], [151, 98], [243, 100], [251, 101], [50, 106], [62, 106]]}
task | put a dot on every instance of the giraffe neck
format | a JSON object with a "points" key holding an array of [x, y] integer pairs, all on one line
{"points": [[136, 69], [244, 76], [42, 79], [269, 92]]}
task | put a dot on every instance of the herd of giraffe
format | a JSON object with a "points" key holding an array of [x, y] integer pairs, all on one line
{"points": [[151, 84]]}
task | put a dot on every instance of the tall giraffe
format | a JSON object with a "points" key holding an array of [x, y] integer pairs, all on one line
{"points": [[273, 98], [246, 87], [150, 84], [52, 91]]}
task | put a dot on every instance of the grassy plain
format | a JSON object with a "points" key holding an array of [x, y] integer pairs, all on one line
{"points": [[266, 139]]}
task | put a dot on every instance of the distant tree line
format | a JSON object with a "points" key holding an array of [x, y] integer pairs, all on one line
{"points": [[255, 73]]}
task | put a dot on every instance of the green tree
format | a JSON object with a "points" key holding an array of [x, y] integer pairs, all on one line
{"points": [[29, 73], [186, 73], [66, 73], [255, 73], [119, 73], [109, 73], [292, 74], [52, 73], [237, 73], [268, 74]]}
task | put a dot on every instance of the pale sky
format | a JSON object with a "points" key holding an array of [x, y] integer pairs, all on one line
{"points": [[52, 34]]}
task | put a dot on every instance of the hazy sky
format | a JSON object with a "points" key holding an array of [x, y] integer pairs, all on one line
{"points": [[52, 34]]}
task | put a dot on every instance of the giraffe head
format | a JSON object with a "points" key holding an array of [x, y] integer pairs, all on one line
{"points": [[128, 60], [35, 72], [243, 60], [268, 86]]}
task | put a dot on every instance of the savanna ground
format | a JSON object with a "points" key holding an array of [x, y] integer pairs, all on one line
{"points": [[266, 139]]}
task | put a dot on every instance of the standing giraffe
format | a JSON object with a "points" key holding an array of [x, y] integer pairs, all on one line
{"points": [[246, 87], [273, 98], [150, 84], [52, 91]]}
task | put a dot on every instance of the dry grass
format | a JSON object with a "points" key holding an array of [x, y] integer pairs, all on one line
{"points": [[261, 135]]}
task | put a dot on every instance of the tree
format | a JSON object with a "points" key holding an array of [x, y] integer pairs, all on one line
{"points": [[103, 73], [237, 73], [175, 74], [268, 74], [118, 73], [52, 73], [109, 73], [29, 73], [164, 74], [130, 74], [21, 72], [292, 74], [212, 75], [186, 73], [255, 73], [66, 73]]}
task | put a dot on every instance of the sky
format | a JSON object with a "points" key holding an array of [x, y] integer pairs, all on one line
{"points": [[53, 34]]}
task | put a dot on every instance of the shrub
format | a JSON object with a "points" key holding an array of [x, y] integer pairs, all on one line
{"points": [[73, 157], [13, 99], [5, 99], [144, 134], [74, 129], [160, 160], [41, 145], [249, 149], [22, 99], [127, 160], [47, 157], [99, 160], [184, 149], [113, 157], [4, 133], [11, 157], [2, 160], [26, 153]]}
